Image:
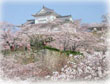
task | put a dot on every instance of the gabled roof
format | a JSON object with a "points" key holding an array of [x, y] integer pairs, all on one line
{"points": [[45, 11]]}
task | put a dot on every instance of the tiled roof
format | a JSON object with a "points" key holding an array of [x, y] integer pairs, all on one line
{"points": [[63, 16], [31, 20], [47, 9], [47, 12]]}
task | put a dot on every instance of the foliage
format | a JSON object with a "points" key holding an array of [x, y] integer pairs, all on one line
{"points": [[50, 48], [38, 51], [72, 52]]}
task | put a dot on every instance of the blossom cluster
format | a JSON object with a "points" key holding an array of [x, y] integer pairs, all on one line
{"points": [[89, 68]]}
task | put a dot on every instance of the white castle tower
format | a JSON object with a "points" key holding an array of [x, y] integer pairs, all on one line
{"points": [[46, 15]]}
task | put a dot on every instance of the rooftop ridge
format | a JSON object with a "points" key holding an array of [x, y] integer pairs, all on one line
{"points": [[46, 8], [48, 11]]}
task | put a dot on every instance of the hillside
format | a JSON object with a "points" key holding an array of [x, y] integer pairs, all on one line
{"points": [[54, 51]]}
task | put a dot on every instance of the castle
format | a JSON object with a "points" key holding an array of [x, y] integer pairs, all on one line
{"points": [[43, 23], [46, 15]]}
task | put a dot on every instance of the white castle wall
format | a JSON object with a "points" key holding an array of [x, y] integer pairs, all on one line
{"points": [[44, 19]]}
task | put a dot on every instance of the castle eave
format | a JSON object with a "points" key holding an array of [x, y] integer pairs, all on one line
{"points": [[45, 14], [68, 16]]}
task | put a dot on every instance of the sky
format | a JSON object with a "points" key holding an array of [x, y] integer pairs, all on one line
{"points": [[19, 13]]}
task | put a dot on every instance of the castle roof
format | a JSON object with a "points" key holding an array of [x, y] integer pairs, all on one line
{"points": [[67, 16], [45, 11]]}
